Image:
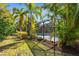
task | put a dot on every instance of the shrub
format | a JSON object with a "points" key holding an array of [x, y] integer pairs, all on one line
{"points": [[6, 27], [22, 35]]}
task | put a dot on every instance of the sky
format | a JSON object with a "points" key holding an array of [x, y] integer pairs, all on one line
{"points": [[19, 6]]}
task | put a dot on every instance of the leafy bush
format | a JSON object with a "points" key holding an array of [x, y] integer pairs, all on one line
{"points": [[69, 37], [22, 35], [6, 27], [77, 32]]}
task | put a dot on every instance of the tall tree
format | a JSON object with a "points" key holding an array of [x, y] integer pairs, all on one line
{"points": [[31, 8], [20, 15]]}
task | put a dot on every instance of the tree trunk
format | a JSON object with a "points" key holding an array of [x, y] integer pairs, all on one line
{"points": [[43, 30]]}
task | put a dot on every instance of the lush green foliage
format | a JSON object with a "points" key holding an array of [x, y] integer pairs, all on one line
{"points": [[67, 25], [6, 27]]}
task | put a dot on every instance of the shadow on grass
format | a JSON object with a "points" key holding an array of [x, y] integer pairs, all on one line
{"points": [[2, 40], [35, 50], [38, 51], [2, 48]]}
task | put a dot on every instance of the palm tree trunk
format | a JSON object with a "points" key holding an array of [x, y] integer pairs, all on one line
{"points": [[20, 25], [20, 22], [43, 30], [30, 25], [54, 34]]}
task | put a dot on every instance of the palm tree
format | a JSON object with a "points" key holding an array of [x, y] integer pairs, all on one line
{"points": [[41, 18], [32, 13], [40, 14], [20, 15], [30, 10]]}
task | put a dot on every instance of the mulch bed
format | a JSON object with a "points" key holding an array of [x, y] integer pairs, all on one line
{"points": [[50, 44]]}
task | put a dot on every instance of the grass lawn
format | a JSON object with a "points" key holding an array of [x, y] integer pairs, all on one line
{"points": [[39, 49], [13, 46]]}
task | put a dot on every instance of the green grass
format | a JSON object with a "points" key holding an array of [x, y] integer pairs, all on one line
{"points": [[39, 49], [13, 46]]}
